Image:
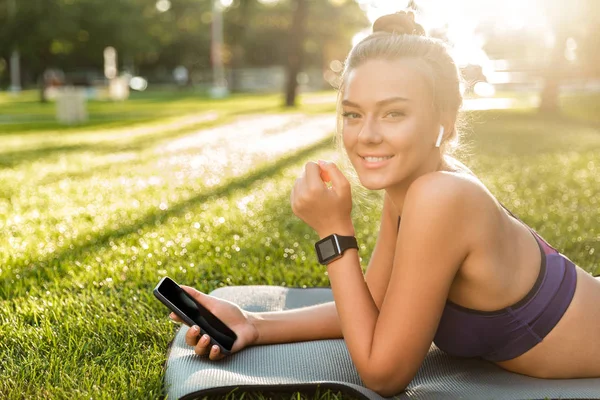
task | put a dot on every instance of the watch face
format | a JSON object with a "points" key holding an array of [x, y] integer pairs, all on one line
{"points": [[327, 250]]}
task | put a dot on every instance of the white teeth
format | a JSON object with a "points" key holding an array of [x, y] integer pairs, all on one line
{"points": [[376, 159]]}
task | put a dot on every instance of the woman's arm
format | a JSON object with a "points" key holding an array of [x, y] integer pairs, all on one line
{"points": [[431, 246], [321, 321], [308, 323], [378, 273], [390, 343]]}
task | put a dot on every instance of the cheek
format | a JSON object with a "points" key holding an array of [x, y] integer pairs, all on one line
{"points": [[410, 134], [348, 137], [402, 136]]}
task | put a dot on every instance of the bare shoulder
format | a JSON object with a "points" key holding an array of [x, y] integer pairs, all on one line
{"points": [[447, 185], [460, 197], [478, 195]]}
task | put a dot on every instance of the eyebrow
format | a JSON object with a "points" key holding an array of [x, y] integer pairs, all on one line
{"points": [[378, 104]]}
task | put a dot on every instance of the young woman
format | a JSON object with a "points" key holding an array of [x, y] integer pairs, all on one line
{"points": [[451, 265]]}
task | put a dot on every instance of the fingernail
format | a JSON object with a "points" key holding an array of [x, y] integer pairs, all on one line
{"points": [[196, 328], [215, 348], [205, 338]]}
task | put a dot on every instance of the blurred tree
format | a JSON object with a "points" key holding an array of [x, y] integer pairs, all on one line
{"points": [[72, 34], [295, 50], [572, 54], [184, 38], [578, 21], [274, 34], [327, 40], [39, 29]]}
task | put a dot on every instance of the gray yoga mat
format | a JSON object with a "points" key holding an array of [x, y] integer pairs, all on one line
{"points": [[326, 363]]}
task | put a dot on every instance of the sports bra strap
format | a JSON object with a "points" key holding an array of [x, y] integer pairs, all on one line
{"points": [[531, 229], [510, 212]]}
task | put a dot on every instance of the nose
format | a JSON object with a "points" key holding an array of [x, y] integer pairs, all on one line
{"points": [[369, 132]]}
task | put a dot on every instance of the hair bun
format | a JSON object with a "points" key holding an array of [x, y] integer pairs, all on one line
{"points": [[400, 22]]}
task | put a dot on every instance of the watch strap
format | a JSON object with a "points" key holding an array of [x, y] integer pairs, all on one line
{"points": [[347, 242]]}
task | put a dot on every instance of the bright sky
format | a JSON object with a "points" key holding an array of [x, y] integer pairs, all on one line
{"points": [[462, 18]]}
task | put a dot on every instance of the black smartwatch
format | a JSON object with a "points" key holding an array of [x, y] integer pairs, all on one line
{"points": [[333, 246]]}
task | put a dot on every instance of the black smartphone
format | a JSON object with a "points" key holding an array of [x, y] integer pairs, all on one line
{"points": [[193, 313]]}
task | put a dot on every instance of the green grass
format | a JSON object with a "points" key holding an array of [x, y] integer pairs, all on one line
{"points": [[91, 219], [25, 113]]}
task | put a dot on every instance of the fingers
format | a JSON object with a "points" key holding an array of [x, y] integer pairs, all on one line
{"points": [[203, 348], [175, 318], [293, 194], [215, 353], [332, 172], [313, 177], [320, 183], [192, 336], [316, 175], [325, 176], [308, 185], [202, 345], [197, 295]]}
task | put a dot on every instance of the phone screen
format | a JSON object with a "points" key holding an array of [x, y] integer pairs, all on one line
{"points": [[206, 320]]}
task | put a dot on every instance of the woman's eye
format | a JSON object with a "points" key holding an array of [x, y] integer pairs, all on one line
{"points": [[395, 114], [351, 115]]}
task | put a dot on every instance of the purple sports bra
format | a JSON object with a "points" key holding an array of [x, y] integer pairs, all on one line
{"points": [[509, 332]]}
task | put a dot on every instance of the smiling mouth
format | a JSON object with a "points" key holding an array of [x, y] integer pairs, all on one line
{"points": [[375, 159]]}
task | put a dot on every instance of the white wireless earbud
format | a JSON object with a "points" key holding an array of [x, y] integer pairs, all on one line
{"points": [[439, 138]]}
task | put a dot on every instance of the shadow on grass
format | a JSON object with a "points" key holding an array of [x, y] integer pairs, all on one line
{"points": [[13, 159], [80, 175], [52, 268], [95, 123], [140, 110]]}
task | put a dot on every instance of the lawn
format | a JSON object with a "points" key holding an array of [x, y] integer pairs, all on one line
{"points": [[27, 114], [91, 217]]}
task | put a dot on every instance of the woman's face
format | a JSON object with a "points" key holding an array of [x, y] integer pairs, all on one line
{"points": [[390, 125]]}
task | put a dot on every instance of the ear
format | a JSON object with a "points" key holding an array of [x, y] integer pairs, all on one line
{"points": [[447, 120]]}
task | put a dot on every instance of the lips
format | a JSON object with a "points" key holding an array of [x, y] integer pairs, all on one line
{"points": [[375, 158], [374, 161]]}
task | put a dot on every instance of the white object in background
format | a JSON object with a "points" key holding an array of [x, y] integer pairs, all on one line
{"points": [[181, 75], [110, 62], [138, 83], [15, 61], [71, 105], [118, 89], [15, 72]]}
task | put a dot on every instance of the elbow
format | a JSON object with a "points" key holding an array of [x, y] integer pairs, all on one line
{"points": [[385, 386], [390, 391], [387, 389]]}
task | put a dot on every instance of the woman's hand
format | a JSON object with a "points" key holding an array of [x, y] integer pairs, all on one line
{"points": [[325, 209], [238, 320]]}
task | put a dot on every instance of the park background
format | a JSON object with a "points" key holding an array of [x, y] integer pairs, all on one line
{"points": [[184, 168]]}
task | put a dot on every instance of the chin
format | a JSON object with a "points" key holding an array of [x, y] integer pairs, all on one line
{"points": [[373, 184]]}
